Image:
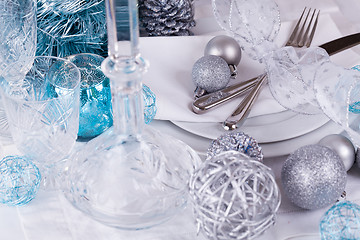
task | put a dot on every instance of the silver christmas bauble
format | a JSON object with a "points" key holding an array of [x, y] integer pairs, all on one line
{"points": [[236, 141], [211, 73], [342, 146], [313, 177], [225, 47]]}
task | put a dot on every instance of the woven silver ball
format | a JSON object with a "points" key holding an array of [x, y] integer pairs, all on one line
{"points": [[225, 47], [342, 146], [313, 177], [234, 197], [237, 141], [211, 73]]}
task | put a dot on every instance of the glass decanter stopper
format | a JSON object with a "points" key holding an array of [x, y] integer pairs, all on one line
{"points": [[131, 176]]}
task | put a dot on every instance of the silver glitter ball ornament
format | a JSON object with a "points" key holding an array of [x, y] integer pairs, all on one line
{"points": [[225, 47], [234, 197], [313, 177], [211, 73], [342, 146], [236, 141]]}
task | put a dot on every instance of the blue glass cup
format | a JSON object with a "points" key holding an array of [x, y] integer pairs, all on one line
{"points": [[95, 96]]}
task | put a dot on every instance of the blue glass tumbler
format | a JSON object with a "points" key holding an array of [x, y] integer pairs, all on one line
{"points": [[95, 96]]}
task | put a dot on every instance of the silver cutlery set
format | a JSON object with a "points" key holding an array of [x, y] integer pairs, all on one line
{"points": [[301, 36]]}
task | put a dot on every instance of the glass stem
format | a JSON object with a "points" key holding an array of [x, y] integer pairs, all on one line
{"points": [[127, 103], [124, 67]]}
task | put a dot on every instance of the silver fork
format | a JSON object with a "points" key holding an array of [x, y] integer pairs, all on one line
{"points": [[298, 38]]}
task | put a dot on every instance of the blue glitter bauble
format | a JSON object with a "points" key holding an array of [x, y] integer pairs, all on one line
{"points": [[19, 180], [341, 221]]}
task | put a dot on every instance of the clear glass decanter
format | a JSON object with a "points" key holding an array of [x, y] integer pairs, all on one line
{"points": [[131, 176]]}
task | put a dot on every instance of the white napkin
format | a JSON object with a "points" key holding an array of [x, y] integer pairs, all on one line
{"points": [[171, 60]]}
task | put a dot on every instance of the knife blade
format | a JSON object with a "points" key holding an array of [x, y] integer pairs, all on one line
{"points": [[209, 101], [341, 44]]}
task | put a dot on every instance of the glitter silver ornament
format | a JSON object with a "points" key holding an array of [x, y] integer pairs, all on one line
{"points": [[211, 73], [234, 197], [313, 177], [342, 146], [225, 47], [236, 141]]}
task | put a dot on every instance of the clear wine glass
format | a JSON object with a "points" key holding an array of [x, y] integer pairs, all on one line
{"points": [[43, 112], [17, 44]]}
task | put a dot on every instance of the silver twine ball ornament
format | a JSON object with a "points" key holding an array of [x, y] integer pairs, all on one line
{"points": [[313, 177], [234, 196]]}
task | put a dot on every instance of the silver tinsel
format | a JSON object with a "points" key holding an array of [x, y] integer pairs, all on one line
{"points": [[211, 73], [166, 17], [313, 177], [236, 141]]}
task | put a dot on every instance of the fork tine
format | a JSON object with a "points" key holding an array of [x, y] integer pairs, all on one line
{"points": [[308, 42], [300, 36], [303, 38], [293, 34]]}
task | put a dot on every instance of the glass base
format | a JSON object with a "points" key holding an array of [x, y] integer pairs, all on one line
{"points": [[130, 183], [5, 134]]}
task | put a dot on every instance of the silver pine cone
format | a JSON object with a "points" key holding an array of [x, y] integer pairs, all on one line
{"points": [[166, 17]]}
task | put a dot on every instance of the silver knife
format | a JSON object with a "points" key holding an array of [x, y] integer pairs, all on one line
{"points": [[204, 103]]}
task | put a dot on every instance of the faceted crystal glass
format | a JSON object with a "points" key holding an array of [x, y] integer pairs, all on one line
{"points": [[43, 111], [17, 44]]}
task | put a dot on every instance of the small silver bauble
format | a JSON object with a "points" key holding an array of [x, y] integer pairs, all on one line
{"points": [[210, 73], [227, 48], [313, 177], [342, 146], [236, 141]]}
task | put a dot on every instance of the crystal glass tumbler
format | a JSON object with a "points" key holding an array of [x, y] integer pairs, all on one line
{"points": [[17, 44], [43, 111]]}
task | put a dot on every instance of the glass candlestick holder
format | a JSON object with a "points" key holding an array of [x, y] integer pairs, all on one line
{"points": [[131, 176]]}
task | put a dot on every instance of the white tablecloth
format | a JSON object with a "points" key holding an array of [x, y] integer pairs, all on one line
{"points": [[50, 216]]}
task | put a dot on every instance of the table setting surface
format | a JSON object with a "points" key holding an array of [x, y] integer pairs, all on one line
{"points": [[279, 131]]}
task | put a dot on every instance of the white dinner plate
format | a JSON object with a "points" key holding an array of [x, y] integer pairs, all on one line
{"points": [[272, 149], [265, 128]]}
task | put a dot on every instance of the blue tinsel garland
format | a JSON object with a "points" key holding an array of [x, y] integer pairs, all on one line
{"points": [[67, 27]]}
